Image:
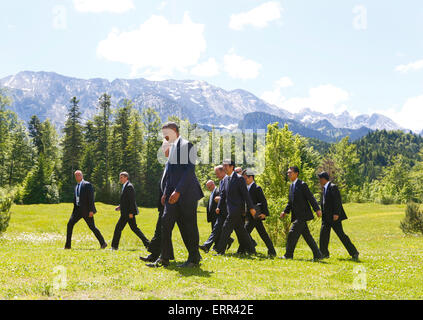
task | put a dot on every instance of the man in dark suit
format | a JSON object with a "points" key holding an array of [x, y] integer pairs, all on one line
{"points": [[235, 193], [156, 243], [212, 205], [128, 210], [333, 215], [83, 208], [260, 202], [181, 194], [217, 220], [300, 199]]}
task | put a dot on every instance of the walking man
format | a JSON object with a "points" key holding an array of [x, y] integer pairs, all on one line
{"points": [[128, 210], [83, 208], [300, 199]]}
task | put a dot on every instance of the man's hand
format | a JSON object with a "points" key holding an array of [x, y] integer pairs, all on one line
{"points": [[335, 217], [319, 213], [217, 211], [131, 216], [117, 208], [283, 215], [217, 199], [253, 212], [174, 197], [262, 216], [163, 200], [91, 214]]}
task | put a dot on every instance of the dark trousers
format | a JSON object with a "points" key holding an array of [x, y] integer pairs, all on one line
{"points": [[155, 246], [325, 236], [123, 220], [300, 228], [259, 226], [217, 226], [185, 215], [235, 222], [75, 217]]}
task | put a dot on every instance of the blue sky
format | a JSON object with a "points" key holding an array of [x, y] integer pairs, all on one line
{"points": [[361, 56]]}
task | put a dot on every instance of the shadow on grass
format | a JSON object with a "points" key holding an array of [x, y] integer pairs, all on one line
{"points": [[350, 260], [257, 256], [310, 260], [189, 272], [106, 250]]}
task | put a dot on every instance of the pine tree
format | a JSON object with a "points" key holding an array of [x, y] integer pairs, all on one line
{"points": [[120, 137], [88, 161], [21, 154], [72, 145], [151, 168], [133, 162], [34, 127], [101, 173]]}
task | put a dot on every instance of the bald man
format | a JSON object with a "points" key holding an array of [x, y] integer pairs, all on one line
{"points": [[83, 208]]}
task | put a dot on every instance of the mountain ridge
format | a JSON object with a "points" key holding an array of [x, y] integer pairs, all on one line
{"points": [[47, 95]]}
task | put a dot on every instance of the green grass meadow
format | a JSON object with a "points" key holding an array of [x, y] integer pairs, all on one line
{"points": [[33, 264]]}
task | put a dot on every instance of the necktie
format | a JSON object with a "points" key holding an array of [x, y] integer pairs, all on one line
{"points": [[78, 186], [164, 175]]}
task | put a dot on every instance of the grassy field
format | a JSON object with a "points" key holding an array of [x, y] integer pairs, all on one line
{"points": [[32, 262]]}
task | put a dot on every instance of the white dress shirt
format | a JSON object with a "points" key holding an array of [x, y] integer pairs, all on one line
{"points": [[124, 185], [249, 185]]}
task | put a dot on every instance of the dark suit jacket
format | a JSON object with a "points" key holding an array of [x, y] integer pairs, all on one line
{"points": [[235, 194], [180, 176], [257, 196], [299, 202], [86, 199], [160, 207], [211, 208], [128, 204], [333, 204]]}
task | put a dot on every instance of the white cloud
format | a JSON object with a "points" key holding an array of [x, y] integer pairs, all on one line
{"points": [[239, 67], [210, 68], [162, 5], [258, 17], [417, 65], [325, 99], [275, 96], [410, 115], [98, 6], [157, 48]]}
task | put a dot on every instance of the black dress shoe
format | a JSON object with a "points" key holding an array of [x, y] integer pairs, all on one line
{"points": [[230, 243], [150, 258], [317, 259], [204, 248], [355, 257], [158, 264], [67, 248], [189, 264], [271, 254], [104, 246], [325, 256]]}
